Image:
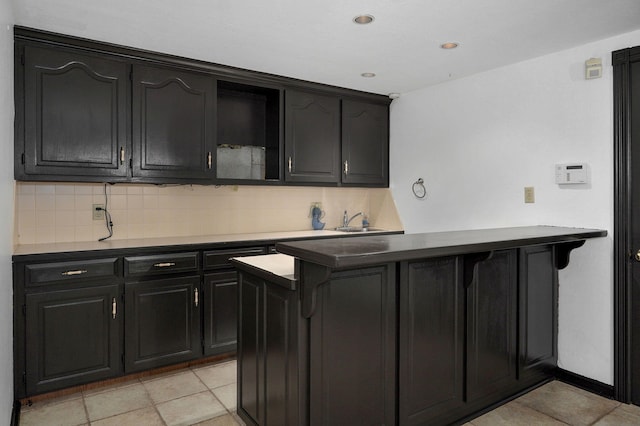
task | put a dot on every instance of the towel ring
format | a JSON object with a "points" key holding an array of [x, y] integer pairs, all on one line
{"points": [[418, 188]]}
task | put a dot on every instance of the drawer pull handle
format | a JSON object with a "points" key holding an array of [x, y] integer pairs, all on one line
{"points": [[121, 155], [114, 308], [195, 296], [164, 265], [209, 160], [346, 167], [76, 272], [290, 165]]}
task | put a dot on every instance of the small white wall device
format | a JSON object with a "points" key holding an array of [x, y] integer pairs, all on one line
{"points": [[593, 68], [572, 173]]}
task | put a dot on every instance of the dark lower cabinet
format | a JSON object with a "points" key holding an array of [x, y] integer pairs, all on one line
{"points": [[269, 384], [220, 298], [352, 349], [418, 342], [431, 332], [492, 326], [162, 320], [72, 337], [538, 313]]}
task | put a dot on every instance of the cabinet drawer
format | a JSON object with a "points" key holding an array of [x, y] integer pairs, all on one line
{"points": [[219, 259], [158, 264], [79, 270]]}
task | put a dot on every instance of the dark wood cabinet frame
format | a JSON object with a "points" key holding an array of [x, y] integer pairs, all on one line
{"points": [[229, 77]]}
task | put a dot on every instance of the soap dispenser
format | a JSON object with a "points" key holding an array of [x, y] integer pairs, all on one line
{"points": [[316, 215], [365, 221]]}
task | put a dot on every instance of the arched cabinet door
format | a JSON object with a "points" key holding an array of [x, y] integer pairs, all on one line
{"points": [[312, 138], [365, 143], [173, 122], [76, 109]]}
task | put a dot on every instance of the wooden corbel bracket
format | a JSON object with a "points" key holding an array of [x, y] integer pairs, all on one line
{"points": [[313, 276], [563, 250], [470, 262]]}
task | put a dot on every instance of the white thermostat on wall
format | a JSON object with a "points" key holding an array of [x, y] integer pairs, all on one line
{"points": [[571, 173]]}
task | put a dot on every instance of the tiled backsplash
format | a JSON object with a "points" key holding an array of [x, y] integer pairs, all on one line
{"points": [[52, 213]]}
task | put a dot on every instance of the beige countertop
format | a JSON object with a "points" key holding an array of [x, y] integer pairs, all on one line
{"points": [[278, 265], [29, 249]]}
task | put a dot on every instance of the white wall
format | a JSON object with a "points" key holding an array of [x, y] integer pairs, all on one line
{"points": [[478, 141], [6, 210]]}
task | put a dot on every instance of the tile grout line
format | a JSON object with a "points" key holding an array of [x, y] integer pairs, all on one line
{"points": [[606, 414], [153, 403], [212, 393], [541, 412]]}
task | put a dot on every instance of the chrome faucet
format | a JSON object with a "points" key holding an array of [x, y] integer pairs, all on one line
{"points": [[346, 220]]}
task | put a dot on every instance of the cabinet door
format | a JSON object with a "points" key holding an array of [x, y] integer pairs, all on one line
{"points": [[173, 124], [162, 322], [73, 337], [220, 298], [269, 384], [352, 346], [431, 354], [76, 110], [537, 312], [491, 327], [312, 138], [365, 143]]}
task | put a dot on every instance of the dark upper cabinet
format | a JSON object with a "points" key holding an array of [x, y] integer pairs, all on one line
{"points": [[432, 348], [491, 327], [312, 137], [75, 112], [88, 111], [334, 141], [72, 337], [162, 322], [365, 143], [248, 132], [173, 124]]}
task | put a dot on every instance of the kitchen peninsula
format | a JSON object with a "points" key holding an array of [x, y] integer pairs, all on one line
{"points": [[399, 329]]}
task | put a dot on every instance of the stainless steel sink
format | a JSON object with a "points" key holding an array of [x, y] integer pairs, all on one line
{"points": [[357, 229]]}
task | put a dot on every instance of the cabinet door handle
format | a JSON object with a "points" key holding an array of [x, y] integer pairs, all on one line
{"points": [[114, 308], [209, 159], [164, 264], [346, 167], [290, 164], [195, 296], [76, 272], [121, 155]]}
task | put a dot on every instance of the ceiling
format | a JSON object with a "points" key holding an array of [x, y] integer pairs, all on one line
{"points": [[318, 41]]}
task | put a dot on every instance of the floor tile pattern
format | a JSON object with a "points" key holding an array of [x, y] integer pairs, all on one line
{"points": [[201, 395], [206, 396]]}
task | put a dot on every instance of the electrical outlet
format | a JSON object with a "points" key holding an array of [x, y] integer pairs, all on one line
{"points": [[98, 214], [529, 194]]}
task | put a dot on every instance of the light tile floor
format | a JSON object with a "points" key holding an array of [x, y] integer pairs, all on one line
{"points": [[206, 396], [201, 395]]}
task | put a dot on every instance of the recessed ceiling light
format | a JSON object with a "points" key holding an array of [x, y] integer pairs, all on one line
{"points": [[368, 74], [363, 19], [449, 45]]}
